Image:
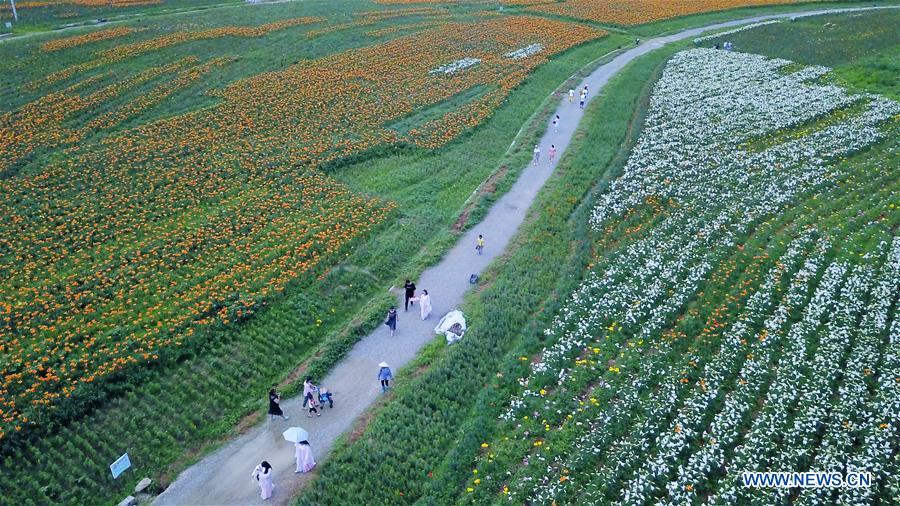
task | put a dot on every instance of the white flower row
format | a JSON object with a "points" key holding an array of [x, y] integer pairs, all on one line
{"points": [[525, 52], [812, 407], [689, 420], [723, 431], [784, 389], [456, 66]]}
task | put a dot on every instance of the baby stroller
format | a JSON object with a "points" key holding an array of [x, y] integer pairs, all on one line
{"points": [[325, 396]]}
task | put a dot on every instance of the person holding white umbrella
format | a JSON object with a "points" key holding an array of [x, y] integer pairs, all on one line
{"points": [[304, 456], [302, 450]]}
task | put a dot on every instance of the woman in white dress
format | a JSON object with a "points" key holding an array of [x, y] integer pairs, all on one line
{"points": [[303, 453], [424, 301], [263, 475]]}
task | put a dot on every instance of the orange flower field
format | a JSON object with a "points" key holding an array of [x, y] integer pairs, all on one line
{"points": [[30, 4], [133, 242], [59, 44], [619, 12], [635, 12], [120, 53], [40, 123]]}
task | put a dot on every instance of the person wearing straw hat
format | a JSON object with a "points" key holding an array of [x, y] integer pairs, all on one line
{"points": [[385, 376], [304, 456]]}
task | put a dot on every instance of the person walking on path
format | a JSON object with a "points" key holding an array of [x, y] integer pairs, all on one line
{"points": [[410, 292], [571, 95], [312, 403], [263, 474], [556, 124], [304, 456], [479, 245], [551, 153], [582, 101], [384, 376], [274, 407], [537, 154], [424, 301], [308, 387], [391, 320]]}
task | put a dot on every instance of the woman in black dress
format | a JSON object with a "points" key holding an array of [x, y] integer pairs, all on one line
{"points": [[274, 408]]}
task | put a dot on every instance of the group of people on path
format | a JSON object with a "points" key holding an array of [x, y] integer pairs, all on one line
{"points": [[409, 298], [584, 93], [312, 395], [551, 153], [263, 473]]}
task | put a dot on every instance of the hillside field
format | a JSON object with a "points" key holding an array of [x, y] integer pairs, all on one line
{"points": [[203, 199]]}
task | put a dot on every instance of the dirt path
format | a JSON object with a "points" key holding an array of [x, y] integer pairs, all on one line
{"points": [[223, 478]]}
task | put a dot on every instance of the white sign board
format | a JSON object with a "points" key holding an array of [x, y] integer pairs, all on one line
{"points": [[120, 465]]}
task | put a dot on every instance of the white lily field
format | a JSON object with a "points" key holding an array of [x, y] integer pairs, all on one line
{"points": [[714, 162]]}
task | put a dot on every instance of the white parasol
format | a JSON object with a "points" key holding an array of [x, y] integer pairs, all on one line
{"points": [[296, 434]]}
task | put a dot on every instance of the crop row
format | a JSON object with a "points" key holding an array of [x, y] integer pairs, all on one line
{"points": [[627, 12], [78, 40], [125, 51], [68, 117], [634, 12]]}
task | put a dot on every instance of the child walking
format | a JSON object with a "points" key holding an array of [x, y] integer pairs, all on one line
{"points": [[313, 404]]}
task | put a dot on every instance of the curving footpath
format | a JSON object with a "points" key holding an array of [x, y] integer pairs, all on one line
{"points": [[223, 477]]}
